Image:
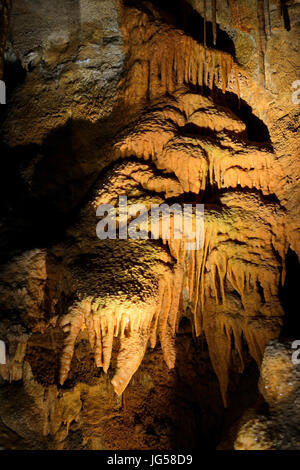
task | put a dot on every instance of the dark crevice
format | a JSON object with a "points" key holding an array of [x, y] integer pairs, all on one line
{"points": [[14, 72], [285, 13], [257, 131], [261, 292], [288, 294], [266, 198]]}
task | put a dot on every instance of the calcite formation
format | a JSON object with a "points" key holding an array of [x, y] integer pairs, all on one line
{"points": [[244, 242], [128, 99], [160, 58], [279, 384]]}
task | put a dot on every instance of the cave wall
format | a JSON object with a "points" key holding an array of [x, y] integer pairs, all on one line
{"points": [[89, 84]]}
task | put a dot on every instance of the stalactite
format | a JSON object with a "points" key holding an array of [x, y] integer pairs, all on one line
{"points": [[222, 290], [219, 346], [268, 17], [207, 69], [279, 8], [170, 59], [107, 329], [261, 39], [163, 318], [237, 84], [237, 331], [236, 165], [104, 324], [161, 293], [209, 266], [71, 324], [212, 72], [205, 23], [214, 19], [196, 293], [130, 356]]}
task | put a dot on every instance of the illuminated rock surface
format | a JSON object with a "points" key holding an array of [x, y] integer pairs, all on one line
{"points": [[107, 340]]}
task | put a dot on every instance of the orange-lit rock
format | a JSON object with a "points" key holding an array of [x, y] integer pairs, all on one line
{"points": [[115, 343]]}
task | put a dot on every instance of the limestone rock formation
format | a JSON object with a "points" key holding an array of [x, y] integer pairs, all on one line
{"points": [[185, 102], [278, 429]]}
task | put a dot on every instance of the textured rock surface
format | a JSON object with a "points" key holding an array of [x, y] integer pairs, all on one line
{"points": [[280, 387], [5, 7], [160, 103]]}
